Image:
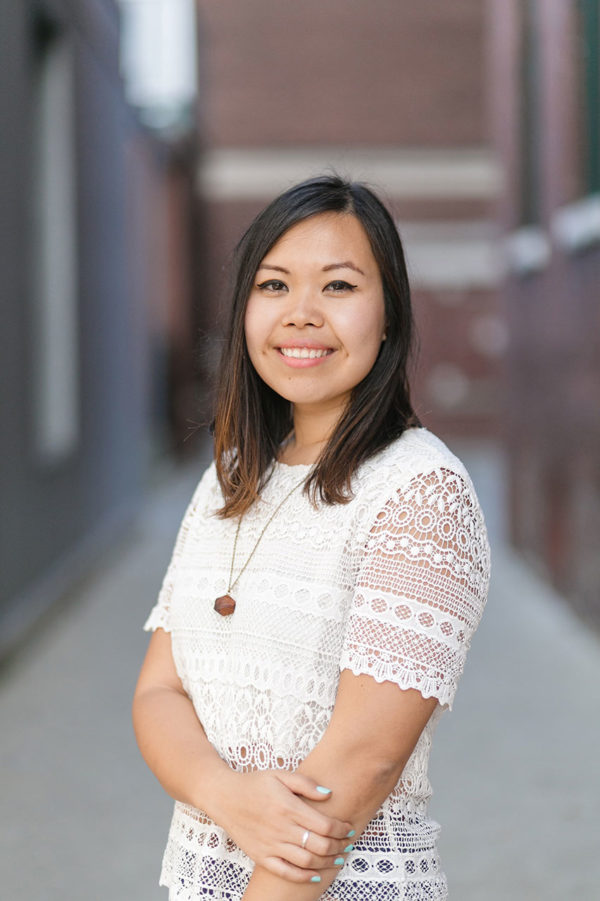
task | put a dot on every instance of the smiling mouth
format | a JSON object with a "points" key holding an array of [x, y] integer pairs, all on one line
{"points": [[305, 353]]}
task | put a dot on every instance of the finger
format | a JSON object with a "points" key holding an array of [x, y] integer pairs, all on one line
{"points": [[308, 860], [323, 847], [286, 870], [305, 786], [307, 817]]}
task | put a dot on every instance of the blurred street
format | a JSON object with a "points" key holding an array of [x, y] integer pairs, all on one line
{"points": [[515, 767]]}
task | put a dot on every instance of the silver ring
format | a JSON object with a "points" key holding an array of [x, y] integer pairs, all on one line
{"points": [[305, 838]]}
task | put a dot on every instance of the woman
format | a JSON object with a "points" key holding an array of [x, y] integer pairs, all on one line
{"points": [[325, 584]]}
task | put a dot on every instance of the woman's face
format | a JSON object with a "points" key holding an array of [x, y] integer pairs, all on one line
{"points": [[315, 318]]}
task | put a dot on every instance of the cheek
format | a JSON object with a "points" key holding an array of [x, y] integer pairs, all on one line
{"points": [[367, 342], [364, 331]]}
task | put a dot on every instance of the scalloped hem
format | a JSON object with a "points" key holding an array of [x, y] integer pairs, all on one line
{"points": [[404, 679], [156, 621]]}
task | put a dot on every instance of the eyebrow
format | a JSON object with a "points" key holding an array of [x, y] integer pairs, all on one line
{"points": [[276, 268], [347, 264]]}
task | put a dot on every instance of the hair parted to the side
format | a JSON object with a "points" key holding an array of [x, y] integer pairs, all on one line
{"points": [[252, 420]]}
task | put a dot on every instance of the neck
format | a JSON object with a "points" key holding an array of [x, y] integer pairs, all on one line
{"points": [[311, 434]]}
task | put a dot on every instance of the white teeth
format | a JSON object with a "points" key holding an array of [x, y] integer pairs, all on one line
{"points": [[303, 353]]}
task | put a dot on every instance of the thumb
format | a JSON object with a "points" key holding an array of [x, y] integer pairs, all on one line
{"points": [[305, 786]]}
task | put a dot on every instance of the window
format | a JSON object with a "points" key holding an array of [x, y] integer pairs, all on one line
{"points": [[529, 115], [158, 61], [588, 40], [55, 356]]}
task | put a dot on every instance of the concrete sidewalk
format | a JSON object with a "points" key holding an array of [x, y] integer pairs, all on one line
{"points": [[515, 766]]}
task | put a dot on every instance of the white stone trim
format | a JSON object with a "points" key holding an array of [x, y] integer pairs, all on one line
{"points": [[452, 255], [239, 174], [527, 250], [577, 226]]}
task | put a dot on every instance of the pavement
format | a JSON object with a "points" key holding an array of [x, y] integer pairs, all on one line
{"points": [[515, 766]]}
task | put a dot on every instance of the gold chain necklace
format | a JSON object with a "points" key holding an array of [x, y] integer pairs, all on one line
{"points": [[225, 605]]}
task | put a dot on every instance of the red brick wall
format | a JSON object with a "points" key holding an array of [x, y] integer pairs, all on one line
{"points": [[343, 72]]}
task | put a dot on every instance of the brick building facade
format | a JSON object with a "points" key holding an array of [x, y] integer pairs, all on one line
{"points": [[391, 92], [547, 125]]}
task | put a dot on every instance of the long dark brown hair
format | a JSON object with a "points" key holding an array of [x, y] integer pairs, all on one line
{"points": [[252, 420]]}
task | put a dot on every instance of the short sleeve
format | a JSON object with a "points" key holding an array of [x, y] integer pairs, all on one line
{"points": [[160, 614], [421, 587]]}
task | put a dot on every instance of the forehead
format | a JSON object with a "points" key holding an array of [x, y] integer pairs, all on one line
{"points": [[324, 238]]}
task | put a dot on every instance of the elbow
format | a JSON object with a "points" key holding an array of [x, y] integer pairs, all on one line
{"points": [[366, 782], [138, 702], [385, 771], [138, 716], [377, 775]]}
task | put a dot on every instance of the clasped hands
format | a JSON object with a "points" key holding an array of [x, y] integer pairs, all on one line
{"points": [[265, 814]]}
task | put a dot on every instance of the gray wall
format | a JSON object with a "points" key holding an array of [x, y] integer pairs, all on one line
{"points": [[58, 510]]}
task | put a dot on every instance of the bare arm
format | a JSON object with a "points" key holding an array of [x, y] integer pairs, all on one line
{"points": [[372, 733], [170, 735], [265, 813]]}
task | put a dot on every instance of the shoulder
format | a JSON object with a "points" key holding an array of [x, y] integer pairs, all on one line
{"points": [[207, 495], [417, 452], [418, 479]]}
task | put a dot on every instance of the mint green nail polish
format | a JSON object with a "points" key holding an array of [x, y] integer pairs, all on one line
{"points": [[316, 879], [349, 848], [323, 790], [338, 862], [351, 833]]}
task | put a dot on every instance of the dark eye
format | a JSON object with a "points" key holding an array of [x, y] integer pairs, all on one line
{"points": [[339, 285], [273, 286]]}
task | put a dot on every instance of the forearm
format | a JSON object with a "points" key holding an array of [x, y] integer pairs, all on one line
{"points": [[264, 812], [361, 756], [359, 787], [175, 747]]}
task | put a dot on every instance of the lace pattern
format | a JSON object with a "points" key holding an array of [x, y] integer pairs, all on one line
{"points": [[209, 863], [392, 584], [418, 593]]}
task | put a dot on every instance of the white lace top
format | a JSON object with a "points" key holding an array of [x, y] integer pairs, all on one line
{"points": [[392, 584]]}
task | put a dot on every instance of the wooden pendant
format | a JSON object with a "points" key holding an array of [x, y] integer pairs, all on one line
{"points": [[225, 605]]}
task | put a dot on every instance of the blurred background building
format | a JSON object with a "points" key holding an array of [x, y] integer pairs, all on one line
{"points": [[140, 137], [97, 319], [479, 122], [391, 93], [545, 98]]}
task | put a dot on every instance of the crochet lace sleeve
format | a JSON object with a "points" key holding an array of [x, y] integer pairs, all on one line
{"points": [[160, 614], [421, 587]]}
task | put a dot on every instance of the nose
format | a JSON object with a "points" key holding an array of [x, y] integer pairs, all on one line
{"points": [[303, 309]]}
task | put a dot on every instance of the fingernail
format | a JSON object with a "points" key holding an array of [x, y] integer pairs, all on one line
{"points": [[323, 790], [349, 848], [338, 862], [351, 833], [316, 879]]}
